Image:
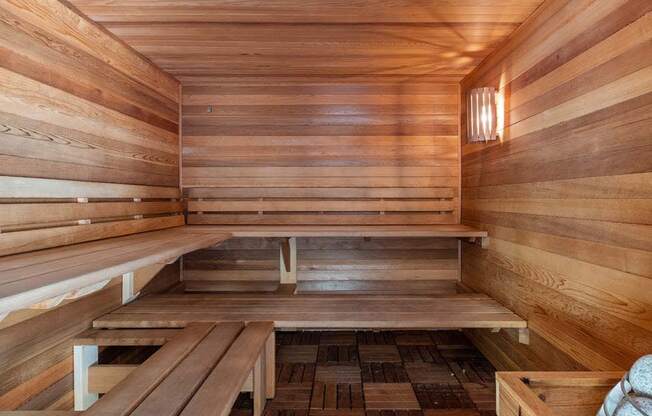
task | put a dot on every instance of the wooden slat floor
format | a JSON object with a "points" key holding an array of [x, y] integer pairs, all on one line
{"points": [[316, 311], [390, 373]]}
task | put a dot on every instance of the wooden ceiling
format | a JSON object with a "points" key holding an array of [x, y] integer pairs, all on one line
{"points": [[202, 39]]}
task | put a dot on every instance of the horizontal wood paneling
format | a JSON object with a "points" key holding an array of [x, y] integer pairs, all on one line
{"points": [[332, 11], [352, 265], [377, 265], [82, 115], [237, 264], [287, 97], [317, 153], [75, 29], [89, 149], [565, 194], [195, 40]]}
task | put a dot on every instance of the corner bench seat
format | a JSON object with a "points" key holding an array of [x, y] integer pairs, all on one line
{"points": [[29, 278], [199, 371]]}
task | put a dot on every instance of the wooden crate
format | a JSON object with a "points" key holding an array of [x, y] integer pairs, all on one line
{"points": [[552, 393]]}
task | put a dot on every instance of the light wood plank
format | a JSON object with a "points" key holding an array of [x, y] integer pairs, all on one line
{"points": [[126, 396], [17, 187], [171, 396], [215, 397], [345, 231], [317, 311]]}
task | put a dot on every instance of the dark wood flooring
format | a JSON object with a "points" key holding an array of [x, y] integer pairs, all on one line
{"points": [[390, 373]]}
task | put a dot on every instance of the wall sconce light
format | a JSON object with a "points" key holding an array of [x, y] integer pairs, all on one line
{"points": [[481, 115]]}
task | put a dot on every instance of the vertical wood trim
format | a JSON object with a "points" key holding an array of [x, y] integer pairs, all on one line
{"points": [[461, 136], [259, 385], [181, 140], [270, 366], [289, 277], [84, 356]]}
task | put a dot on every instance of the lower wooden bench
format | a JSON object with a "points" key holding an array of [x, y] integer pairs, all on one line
{"points": [[465, 310], [199, 370], [552, 393]]}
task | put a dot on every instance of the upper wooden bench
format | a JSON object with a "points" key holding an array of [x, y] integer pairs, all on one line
{"points": [[199, 371], [449, 230], [29, 278]]}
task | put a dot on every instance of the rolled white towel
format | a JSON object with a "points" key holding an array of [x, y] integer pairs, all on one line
{"points": [[632, 396], [614, 398], [640, 376], [629, 408]]}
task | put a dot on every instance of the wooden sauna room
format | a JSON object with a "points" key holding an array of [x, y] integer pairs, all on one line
{"points": [[326, 207]]}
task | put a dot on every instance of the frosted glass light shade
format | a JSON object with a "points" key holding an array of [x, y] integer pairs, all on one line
{"points": [[481, 115]]}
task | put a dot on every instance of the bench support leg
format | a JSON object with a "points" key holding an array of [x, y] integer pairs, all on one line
{"points": [[270, 367], [289, 261], [259, 385], [128, 288], [84, 356]]}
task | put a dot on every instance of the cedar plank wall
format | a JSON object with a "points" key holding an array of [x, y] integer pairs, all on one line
{"points": [[77, 107], [566, 195], [360, 150], [236, 264], [379, 150], [370, 265], [323, 111], [378, 265]]}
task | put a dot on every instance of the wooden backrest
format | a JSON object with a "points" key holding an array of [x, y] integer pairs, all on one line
{"points": [[322, 206], [347, 151], [88, 132], [43, 213]]}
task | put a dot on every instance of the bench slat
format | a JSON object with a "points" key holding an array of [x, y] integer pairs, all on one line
{"points": [[443, 230], [126, 396], [220, 390], [175, 391], [125, 337]]}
